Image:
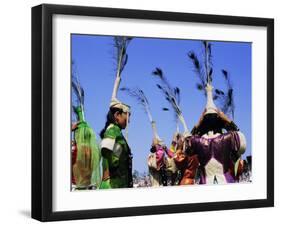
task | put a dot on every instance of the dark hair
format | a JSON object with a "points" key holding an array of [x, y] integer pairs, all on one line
{"points": [[110, 119], [212, 122]]}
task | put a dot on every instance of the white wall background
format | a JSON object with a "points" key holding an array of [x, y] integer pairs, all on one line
{"points": [[15, 101]]}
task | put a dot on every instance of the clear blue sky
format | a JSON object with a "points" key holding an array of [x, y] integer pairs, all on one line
{"points": [[93, 57]]}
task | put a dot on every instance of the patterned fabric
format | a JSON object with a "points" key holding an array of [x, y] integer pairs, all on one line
{"points": [[215, 155], [117, 159]]}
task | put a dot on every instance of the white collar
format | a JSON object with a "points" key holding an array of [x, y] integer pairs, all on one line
{"points": [[211, 134]]}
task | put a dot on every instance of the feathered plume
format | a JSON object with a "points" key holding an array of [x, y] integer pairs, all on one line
{"points": [[172, 95], [121, 57], [198, 70], [142, 100], [79, 92], [120, 45], [78, 89], [228, 105], [226, 98], [208, 61], [159, 73], [203, 69]]}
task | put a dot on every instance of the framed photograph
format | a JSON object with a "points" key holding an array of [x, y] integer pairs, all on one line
{"points": [[145, 112]]}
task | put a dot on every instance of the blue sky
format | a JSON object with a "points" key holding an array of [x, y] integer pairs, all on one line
{"points": [[93, 57]]}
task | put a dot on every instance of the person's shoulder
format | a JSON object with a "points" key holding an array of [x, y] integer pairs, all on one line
{"points": [[112, 131], [228, 135]]}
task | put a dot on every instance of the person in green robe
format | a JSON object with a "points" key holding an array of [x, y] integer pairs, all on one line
{"points": [[86, 170], [115, 151]]}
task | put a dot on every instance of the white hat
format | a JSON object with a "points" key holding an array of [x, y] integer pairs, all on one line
{"points": [[210, 105], [118, 104]]}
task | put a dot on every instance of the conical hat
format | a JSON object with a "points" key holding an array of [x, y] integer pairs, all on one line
{"points": [[210, 105]]}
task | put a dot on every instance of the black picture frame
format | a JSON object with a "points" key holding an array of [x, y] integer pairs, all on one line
{"points": [[42, 86]]}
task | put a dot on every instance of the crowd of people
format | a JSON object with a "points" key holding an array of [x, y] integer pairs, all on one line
{"points": [[210, 154]]}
